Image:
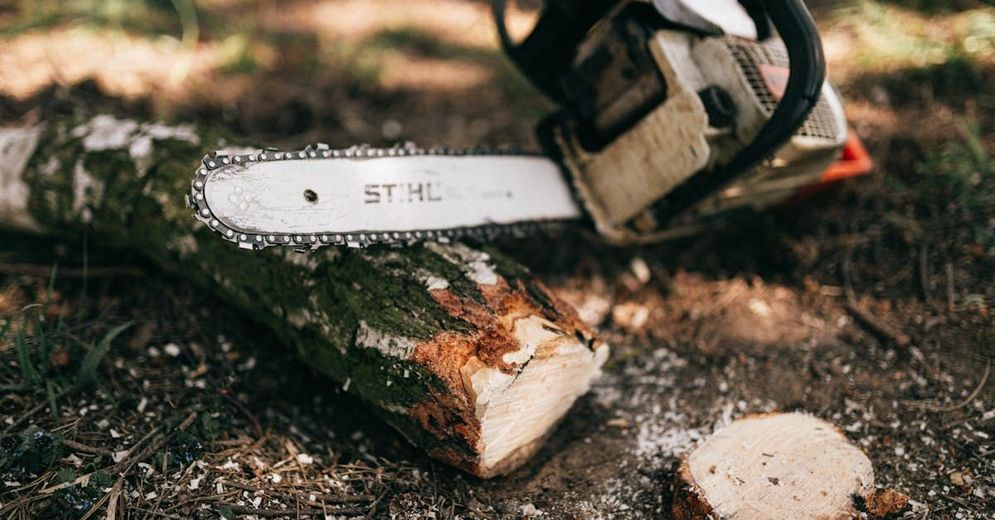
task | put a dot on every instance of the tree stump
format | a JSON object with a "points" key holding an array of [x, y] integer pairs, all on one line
{"points": [[459, 348], [779, 466]]}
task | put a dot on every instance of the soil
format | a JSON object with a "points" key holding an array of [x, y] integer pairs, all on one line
{"points": [[751, 318]]}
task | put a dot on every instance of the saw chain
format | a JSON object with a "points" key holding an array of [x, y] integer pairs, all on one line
{"points": [[221, 161]]}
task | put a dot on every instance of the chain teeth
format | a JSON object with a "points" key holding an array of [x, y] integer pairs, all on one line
{"points": [[303, 243]]}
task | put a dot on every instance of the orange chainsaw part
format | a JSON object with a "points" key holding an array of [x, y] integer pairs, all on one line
{"points": [[854, 162]]}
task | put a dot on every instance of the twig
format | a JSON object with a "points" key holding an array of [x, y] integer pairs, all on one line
{"points": [[951, 298], [269, 513], [34, 410], [241, 407], [876, 326], [845, 266], [340, 499], [147, 436], [126, 464], [965, 402], [132, 459], [115, 495], [155, 513], [100, 503], [79, 446], [927, 292]]}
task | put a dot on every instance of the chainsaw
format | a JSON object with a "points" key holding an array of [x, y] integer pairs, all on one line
{"points": [[666, 121]]}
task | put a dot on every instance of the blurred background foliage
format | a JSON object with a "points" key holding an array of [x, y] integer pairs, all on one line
{"points": [[382, 70]]}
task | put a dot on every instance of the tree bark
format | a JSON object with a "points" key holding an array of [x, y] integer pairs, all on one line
{"points": [[776, 465], [460, 349]]}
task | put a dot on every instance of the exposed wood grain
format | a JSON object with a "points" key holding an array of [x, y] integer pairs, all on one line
{"points": [[776, 466]]}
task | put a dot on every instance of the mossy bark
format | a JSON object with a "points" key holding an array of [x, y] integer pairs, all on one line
{"points": [[398, 327]]}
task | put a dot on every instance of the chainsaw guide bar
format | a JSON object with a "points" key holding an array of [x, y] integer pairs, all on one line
{"points": [[361, 196]]}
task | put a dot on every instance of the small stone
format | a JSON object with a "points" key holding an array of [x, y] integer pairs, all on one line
{"points": [[640, 270], [618, 423], [74, 460], [529, 511], [172, 349]]}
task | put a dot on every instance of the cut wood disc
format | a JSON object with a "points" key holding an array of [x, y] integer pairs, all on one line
{"points": [[774, 466]]}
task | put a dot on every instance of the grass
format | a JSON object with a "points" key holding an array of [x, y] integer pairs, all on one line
{"points": [[125, 389], [874, 37], [46, 345], [957, 183]]}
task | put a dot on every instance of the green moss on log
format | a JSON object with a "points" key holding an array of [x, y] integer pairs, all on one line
{"points": [[316, 302]]}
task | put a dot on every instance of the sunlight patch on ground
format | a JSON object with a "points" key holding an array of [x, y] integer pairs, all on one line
{"points": [[11, 301], [125, 65], [406, 72], [133, 66], [463, 23]]}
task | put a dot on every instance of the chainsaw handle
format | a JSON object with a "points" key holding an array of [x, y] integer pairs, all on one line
{"points": [[548, 51], [807, 64]]}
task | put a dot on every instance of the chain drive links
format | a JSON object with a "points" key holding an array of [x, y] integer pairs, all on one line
{"points": [[356, 239]]}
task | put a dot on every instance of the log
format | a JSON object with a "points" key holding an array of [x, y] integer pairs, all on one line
{"points": [[776, 465], [459, 348]]}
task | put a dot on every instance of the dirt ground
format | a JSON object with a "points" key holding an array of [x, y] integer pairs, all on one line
{"points": [[869, 305]]}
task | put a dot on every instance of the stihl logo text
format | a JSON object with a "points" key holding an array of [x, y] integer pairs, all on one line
{"points": [[402, 192]]}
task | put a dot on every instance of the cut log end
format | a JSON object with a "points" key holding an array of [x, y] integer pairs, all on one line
{"points": [[515, 376], [778, 466], [518, 410]]}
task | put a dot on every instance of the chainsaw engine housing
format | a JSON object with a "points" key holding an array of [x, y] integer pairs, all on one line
{"points": [[704, 99]]}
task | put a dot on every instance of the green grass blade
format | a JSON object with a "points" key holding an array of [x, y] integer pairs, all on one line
{"points": [[28, 372], [52, 399], [49, 289], [43, 354], [88, 368], [86, 278]]}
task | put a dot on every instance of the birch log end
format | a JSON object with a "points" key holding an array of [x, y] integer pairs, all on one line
{"points": [[459, 348], [779, 466]]}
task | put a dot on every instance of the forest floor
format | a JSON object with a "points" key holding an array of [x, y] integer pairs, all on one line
{"points": [[870, 305]]}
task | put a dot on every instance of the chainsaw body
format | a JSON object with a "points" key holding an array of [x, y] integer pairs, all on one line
{"points": [[665, 121], [661, 112]]}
